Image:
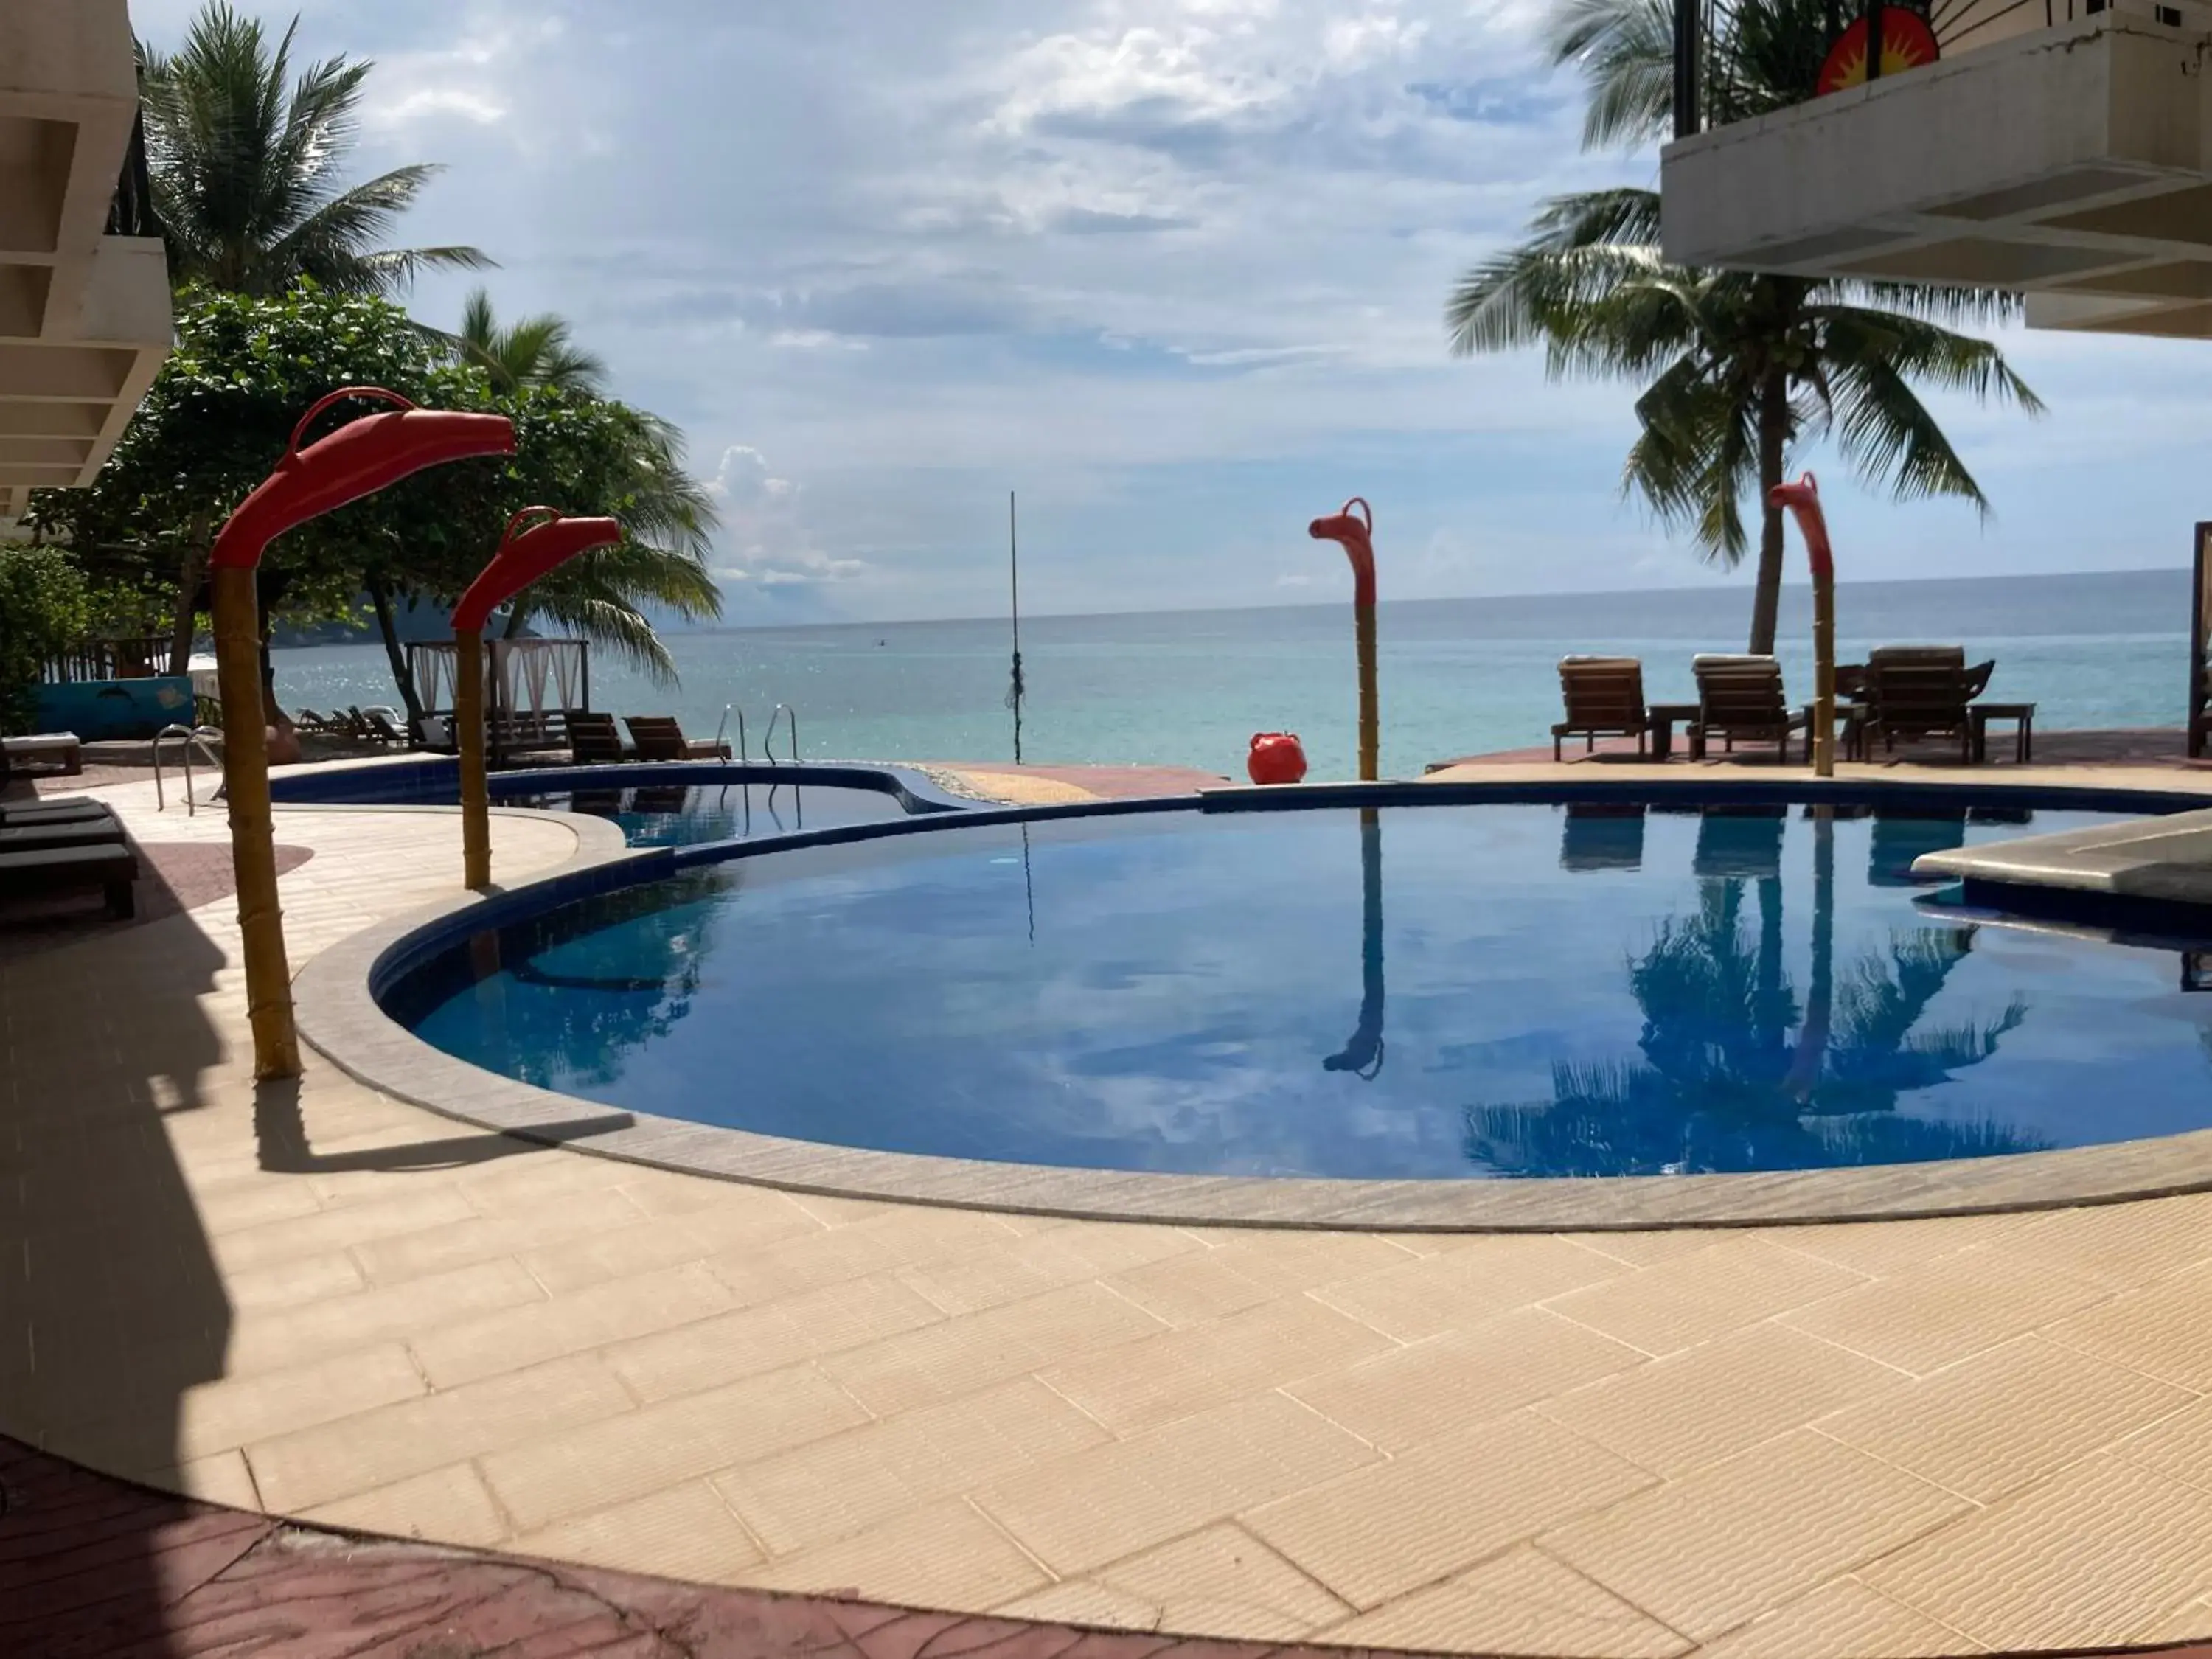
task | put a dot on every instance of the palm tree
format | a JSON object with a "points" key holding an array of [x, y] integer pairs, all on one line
{"points": [[668, 523], [246, 176], [537, 351], [1741, 368]]}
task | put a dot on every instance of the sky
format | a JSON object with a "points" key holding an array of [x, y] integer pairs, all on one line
{"points": [[1174, 271]]}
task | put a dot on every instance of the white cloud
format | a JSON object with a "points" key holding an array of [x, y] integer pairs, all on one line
{"points": [[1173, 269]]}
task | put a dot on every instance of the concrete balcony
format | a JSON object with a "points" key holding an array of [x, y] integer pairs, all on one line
{"points": [[84, 315], [2072, 161]]}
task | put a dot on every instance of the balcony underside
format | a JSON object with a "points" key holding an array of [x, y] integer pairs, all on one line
{"points": [[2069, 163], [84, 316]]}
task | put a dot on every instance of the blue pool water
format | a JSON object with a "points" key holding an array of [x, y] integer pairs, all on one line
{"points": [[682, 816], [1473, 991]]}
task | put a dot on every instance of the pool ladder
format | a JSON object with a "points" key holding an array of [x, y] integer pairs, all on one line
{"points": [[789, 715], [192, 737]]}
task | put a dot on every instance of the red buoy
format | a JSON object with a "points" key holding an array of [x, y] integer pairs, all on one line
{"points": [[1276, 757]]}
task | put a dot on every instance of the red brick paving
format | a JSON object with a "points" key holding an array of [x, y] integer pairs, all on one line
{"points": [[96, 1568], [173, 876]]}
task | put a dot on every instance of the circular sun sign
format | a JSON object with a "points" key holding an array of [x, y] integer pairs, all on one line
{"points": [[1907, 42]]}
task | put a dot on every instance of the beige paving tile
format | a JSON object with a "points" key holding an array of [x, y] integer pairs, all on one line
{"points": [[1520, 1602], [1082, 1511], [2126, 1245], [1492, 1275], [1142, 1384], [375, 1449], [287, 1284], [221, 1478], [686, 1531], [539, 1176], [665, 1241], [945, 1556], [1380, 1532], [2084, 1558], [1843, 1617], [1723, 1397], [906, 1236], [262, 1201], [852, 1480], [2178, 1446], [1885, 1247], [573, 1473], [2164, 1329], [574, 1323], [405, 1210], [1649, 1249], [1712, 1551], [265, 1340], [486, 1238], [2005, 1416], [1404, 1397], [1251, 1269], [215, 1417], [707, 1352], [1694, 1298], [1925, 1317], [2190, 1622], [1024, 1267], [1084, 1601], [1218, 1582], [444, 1506], [957, 1355]]}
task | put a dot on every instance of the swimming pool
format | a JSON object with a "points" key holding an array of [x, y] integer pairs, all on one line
{"points": [[1445, 991], [660, 804]]}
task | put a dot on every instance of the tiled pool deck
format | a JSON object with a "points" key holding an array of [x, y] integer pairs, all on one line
{"points": [[1891, 1439]]}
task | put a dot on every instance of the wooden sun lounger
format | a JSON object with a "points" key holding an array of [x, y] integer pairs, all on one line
{"points": [[593, 740], [72, 809], [660, 737], [1919, 692], [1740, 697], [111, 866], [17, 837], [1604, 698]]}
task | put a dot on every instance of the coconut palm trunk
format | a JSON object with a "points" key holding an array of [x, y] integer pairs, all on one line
{"points": [[1773, 446]]}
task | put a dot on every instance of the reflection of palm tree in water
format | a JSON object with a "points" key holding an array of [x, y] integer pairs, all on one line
{"points": [[1731, 1078]]}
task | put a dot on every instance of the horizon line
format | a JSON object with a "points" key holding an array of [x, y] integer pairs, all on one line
{"points": [[1451, 598]]}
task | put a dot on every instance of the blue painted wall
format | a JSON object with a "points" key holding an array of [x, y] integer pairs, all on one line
{"points": [[115, 708]]}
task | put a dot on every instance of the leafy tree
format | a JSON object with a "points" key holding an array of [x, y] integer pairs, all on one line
{"points": [[45, 606], [247, 179], [1739, 368], [538, 350], [223, 406]]}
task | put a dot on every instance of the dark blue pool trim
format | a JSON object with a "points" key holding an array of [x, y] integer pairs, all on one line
{"points": [[408, 781], [658, 863]]}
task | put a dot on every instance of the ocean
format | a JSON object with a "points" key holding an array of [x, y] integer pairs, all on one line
{"points": [[1458, 677]]}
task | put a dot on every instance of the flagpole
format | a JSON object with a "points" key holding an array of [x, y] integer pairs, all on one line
{"points": [[1014, 576]]}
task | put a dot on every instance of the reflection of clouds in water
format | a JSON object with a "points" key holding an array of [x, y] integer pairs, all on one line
{"points": [[1190, 976]]}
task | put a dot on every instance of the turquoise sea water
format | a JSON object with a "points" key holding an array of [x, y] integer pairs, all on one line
{"points": [[1458, 676]]}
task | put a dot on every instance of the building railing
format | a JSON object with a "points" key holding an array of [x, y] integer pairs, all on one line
{"points": [[131, 212], [1737, 59], [129, 658]]}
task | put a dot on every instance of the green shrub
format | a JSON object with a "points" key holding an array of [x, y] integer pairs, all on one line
{"points": [[46, 607]]}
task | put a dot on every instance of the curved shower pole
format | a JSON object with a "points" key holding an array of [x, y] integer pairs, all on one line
{"points": [[360, 458], [1803, 501], [523, 556], [1356, 537]]}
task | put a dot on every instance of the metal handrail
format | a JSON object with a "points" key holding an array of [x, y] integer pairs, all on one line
{"points": [[768, 738], [192, 737]]}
